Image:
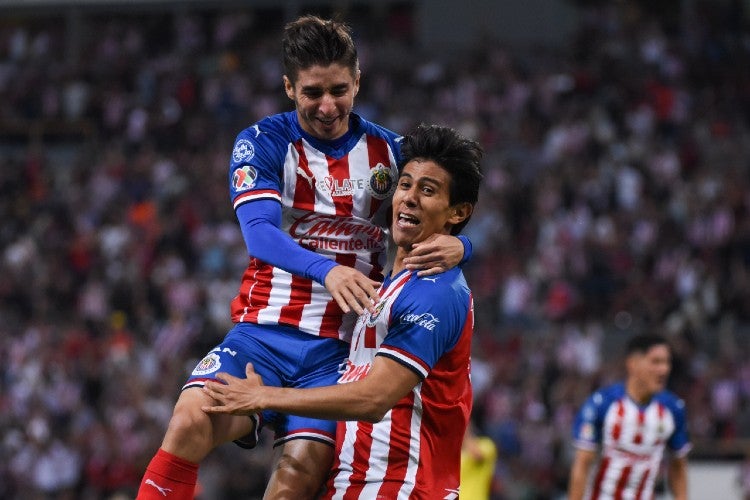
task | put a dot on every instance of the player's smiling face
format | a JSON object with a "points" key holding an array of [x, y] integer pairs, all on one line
{"points": [[324, 97], [421, 204]]}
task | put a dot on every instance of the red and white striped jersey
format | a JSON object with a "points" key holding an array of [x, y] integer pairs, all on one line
{"points": [[334, 195], [632, 439], [415, 450]]}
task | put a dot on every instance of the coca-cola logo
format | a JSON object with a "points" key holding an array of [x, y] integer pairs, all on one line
{"points": [[425, 320]]}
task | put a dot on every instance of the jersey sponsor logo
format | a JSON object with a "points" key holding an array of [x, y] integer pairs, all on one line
{"points": [[209, 364], [354, 372], [244, 178], [617, 451], [425, 320], [342, 187], [243, 150], [341, 234], [342, 367], [382, 182]]}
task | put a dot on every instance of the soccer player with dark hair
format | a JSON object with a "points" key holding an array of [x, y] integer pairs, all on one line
{"points": [[404, 397], [311, 189], [627, 426]]}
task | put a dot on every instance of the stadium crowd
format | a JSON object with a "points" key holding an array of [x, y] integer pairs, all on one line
{"points": [[616, 200]]}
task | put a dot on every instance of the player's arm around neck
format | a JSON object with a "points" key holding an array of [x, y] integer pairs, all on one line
{"points": [[367, 399]]}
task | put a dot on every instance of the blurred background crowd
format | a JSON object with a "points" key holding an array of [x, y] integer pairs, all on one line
{"points": [[616, 200]]}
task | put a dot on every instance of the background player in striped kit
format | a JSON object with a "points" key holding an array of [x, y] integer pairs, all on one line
{"points": [[405, 396], [311, 189], [629, 425]]}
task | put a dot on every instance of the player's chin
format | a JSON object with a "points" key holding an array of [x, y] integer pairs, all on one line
{"points": [[405, 239], [660, 385], [332, 129]]}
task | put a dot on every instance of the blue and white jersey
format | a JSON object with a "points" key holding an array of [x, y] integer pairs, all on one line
{"points": [[631, 439], [426, 325], [334, 197]]}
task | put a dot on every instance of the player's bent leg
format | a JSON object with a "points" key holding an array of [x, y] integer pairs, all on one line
{"points": [[300, 470], [191, 435]]}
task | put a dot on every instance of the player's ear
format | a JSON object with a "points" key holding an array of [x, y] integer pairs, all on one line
{"points": [[460, 212], [357, 74], [288, 87]]}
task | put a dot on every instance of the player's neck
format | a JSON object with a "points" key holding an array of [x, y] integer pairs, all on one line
{"points": [[398, 260], [638, 394], [398, 266]]}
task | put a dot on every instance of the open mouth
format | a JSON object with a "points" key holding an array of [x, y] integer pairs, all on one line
{"points": [[328, 121], [407, 220]]}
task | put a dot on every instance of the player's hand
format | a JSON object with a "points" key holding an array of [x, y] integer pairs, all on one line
{"points": [[435, 255], [351, 289], [236, 396]]}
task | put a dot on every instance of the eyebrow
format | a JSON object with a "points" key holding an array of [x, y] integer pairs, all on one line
{"points": [[338, 86], [424, 178]]}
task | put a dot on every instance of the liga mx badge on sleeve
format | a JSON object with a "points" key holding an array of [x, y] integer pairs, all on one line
{"points": [[244, 178]]}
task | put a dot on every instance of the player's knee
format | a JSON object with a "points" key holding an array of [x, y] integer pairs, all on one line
{"points": [[189, 435], [190, 424], [187, 420]]}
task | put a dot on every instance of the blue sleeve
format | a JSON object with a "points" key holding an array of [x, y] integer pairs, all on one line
{"points": [[679, 441], [259, 222], [427, 320], [468, 249], [587, 426]]}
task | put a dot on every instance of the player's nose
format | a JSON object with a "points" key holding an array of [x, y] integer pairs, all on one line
{"points": [[327, 104]]}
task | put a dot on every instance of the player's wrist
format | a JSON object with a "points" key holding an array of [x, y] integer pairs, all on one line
{"points": [[468, 249]]}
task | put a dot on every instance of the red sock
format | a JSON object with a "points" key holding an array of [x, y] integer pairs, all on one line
{"points": [[168, 476]]}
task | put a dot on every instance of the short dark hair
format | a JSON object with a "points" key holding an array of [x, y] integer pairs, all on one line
{"points": [[642, 343], [310, 40], [459, 156]]}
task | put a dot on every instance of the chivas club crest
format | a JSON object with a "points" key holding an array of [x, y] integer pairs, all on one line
{"points": [[382, 182]]}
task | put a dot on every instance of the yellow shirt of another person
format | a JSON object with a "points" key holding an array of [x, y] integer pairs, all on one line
{"points": [[478, 459]]}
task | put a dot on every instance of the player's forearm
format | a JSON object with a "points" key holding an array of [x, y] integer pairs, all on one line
{"points": [[336, 402], [576, 487], [259, 223], [578, 474], [678, 479]]}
